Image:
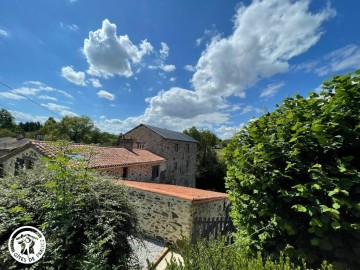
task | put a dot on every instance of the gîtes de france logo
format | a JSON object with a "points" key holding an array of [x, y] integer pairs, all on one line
{"points": [[27, 245]]}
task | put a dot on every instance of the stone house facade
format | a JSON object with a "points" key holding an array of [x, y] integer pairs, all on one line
{"points": [[139, 164], [177, 148]]}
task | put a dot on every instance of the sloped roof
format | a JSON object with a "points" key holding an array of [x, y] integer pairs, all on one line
{"points": [[192, 194], [10, 143], [169, 134], [98, 157]]}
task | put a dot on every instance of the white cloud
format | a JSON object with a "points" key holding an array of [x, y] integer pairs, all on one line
{"points": [[266, 35], [172, 79], [47, 97], [106, 95], [10, 95], [271, 89], [248, 109], [168, 68], [61, 109], [32, 89], [72, 76], [4, 33], [109, 54], [95, 82], [160, 62], [71, 27], [189, 68], [226, 132], [213, 33], [182, 103], [66, 94], [23, 117], [164, 51], [344, 58]]}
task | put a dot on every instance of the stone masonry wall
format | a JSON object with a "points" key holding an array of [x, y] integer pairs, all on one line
{"points": [[167, 218], [141, 172], [180, 159], [209, 209], [27, 154], [162, 217]]}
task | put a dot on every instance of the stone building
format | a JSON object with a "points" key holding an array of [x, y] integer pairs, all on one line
{"points": [[8, 144], [139, 164], [169, 212], [177, 148]]}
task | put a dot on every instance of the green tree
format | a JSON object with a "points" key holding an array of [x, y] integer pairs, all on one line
{"points": [[87, 220], [76, 128], [7, 121], [210, 170], [294, 176]]}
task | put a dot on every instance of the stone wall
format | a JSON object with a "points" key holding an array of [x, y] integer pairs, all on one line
{"points": [[141, 172], [167, 217], [28, 155], [209, 209], [180, 155]]}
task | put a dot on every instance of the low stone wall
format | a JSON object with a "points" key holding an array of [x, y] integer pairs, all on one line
{"points": [[169, 215]]}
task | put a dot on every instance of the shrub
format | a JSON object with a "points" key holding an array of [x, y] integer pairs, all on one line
{"points": [[85, 218], [216, 255], [296, 173]]}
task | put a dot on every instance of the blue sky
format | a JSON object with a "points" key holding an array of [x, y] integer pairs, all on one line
{"points": [[209, 63]]}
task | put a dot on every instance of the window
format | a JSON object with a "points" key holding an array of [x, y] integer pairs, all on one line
{"points": [[188, 148], [141, 145], [19, 164], [155, 172], [125, 172], [176, 147], [175, 165], [1, 170], [28, 164]]}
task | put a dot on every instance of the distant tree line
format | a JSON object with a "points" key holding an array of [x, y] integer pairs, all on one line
{"points": [[78, 129]]}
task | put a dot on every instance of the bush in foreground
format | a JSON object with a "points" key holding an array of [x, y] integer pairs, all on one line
{"points": [[216, 255], [85, 218], [294, 176]]}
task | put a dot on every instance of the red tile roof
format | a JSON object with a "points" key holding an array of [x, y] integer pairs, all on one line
{"points": [[100, 157], [192, 194]]}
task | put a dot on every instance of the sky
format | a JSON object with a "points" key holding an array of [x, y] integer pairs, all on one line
{"points": [[212, 64]]}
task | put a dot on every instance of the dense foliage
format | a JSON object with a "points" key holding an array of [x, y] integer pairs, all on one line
{"points": [[210, 170], [217, 255], [78, 129], [87, 220], [294, 176]]}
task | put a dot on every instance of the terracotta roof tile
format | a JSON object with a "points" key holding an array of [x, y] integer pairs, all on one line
{"points": [[101, 157], [192, 194]]}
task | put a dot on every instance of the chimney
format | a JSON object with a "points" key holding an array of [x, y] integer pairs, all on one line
{"points": [[126, 143], [20, 136], [40, 137]]}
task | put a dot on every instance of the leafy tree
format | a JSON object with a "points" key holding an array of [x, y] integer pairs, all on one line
{"points": [[102, 138], [4, 132], [7, 121], [210, 171], [294, 176], [87, 220], [76, 128]]}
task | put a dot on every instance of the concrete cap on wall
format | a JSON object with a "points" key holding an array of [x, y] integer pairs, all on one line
{"points": [[197, 196]]}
